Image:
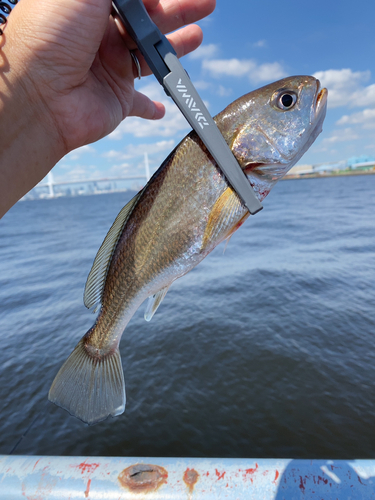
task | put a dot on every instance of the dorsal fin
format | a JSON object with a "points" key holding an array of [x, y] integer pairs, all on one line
{"points": [[154, 302], [95, 281]]}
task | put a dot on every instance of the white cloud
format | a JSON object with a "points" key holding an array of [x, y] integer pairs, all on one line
{"points": [[342, 78], [172, 123], [121, 170], [154, 148], [112, 153], [344, 135], [268, 72], [213, 88], [77, 172], [202, 85], [204, 51], [364, 97], [77, 153], [223, 91], [345, 87], [136, 150], [366, 118], [260, 44], [244, 67], [229, 67]]}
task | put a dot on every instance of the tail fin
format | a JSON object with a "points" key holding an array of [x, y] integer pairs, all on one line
{"points": [[88, 388]]}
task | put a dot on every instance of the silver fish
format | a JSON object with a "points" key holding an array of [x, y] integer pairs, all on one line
{"points": [[182, 214]]}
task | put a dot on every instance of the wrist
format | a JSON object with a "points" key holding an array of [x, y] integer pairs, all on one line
{"points": [[30, 144]]}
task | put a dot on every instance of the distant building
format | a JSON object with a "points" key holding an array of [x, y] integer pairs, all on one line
{"points": [[330, 167], [362, 161], [300, 170]]}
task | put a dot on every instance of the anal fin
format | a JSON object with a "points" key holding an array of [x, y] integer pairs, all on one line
{"points": [[154, 302]]}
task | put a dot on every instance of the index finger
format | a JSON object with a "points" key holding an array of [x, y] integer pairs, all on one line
{"points": [[169, 15]]}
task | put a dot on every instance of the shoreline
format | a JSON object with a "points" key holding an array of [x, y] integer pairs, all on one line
{"points": [[331, 174]]}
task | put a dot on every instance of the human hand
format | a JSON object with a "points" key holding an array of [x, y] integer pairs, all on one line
{"points": [[69, 76], [80, 66]]}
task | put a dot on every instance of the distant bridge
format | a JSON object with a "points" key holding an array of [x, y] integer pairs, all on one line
{"points": [[51, 183]]}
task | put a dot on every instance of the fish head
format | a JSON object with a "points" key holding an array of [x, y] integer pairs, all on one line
{"points": [[269, 129]]}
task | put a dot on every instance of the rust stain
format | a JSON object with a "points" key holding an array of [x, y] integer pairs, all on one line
{"points": [[88, 488], [36, 463], [143, 477], [85, 467], [302, 484], [251, 471], [220, 475], [190, 478]]}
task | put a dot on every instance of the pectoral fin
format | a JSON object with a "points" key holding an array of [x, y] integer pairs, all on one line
{"points": [[154, 302], [222, 220]]}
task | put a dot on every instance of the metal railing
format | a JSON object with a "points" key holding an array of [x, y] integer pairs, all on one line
{"points": [[108, 478]]}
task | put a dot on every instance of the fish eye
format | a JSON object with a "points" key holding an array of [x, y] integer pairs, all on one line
{"points": [[285, 100]]}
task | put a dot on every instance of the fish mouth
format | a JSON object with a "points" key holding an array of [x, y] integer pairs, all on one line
{"points": [[260, 169], [320, 99], [253, 166]]}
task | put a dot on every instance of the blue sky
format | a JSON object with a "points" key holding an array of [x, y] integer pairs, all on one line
{"points": [[248, 44]]}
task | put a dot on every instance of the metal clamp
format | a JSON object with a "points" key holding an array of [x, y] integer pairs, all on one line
{"points": [[164, 63]]}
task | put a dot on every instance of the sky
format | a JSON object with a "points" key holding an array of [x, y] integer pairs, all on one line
{"points": [[248, 44]]}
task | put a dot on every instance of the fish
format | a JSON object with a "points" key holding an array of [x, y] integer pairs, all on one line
{"points": [[185, 210]]}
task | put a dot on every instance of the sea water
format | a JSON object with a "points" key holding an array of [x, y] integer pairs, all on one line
{"points": [[266, 350]]}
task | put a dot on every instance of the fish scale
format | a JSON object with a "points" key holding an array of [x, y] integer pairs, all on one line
{"points": [[186, 209]]}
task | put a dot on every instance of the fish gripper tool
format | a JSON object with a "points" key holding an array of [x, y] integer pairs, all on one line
{"points": [[164, 63]]}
